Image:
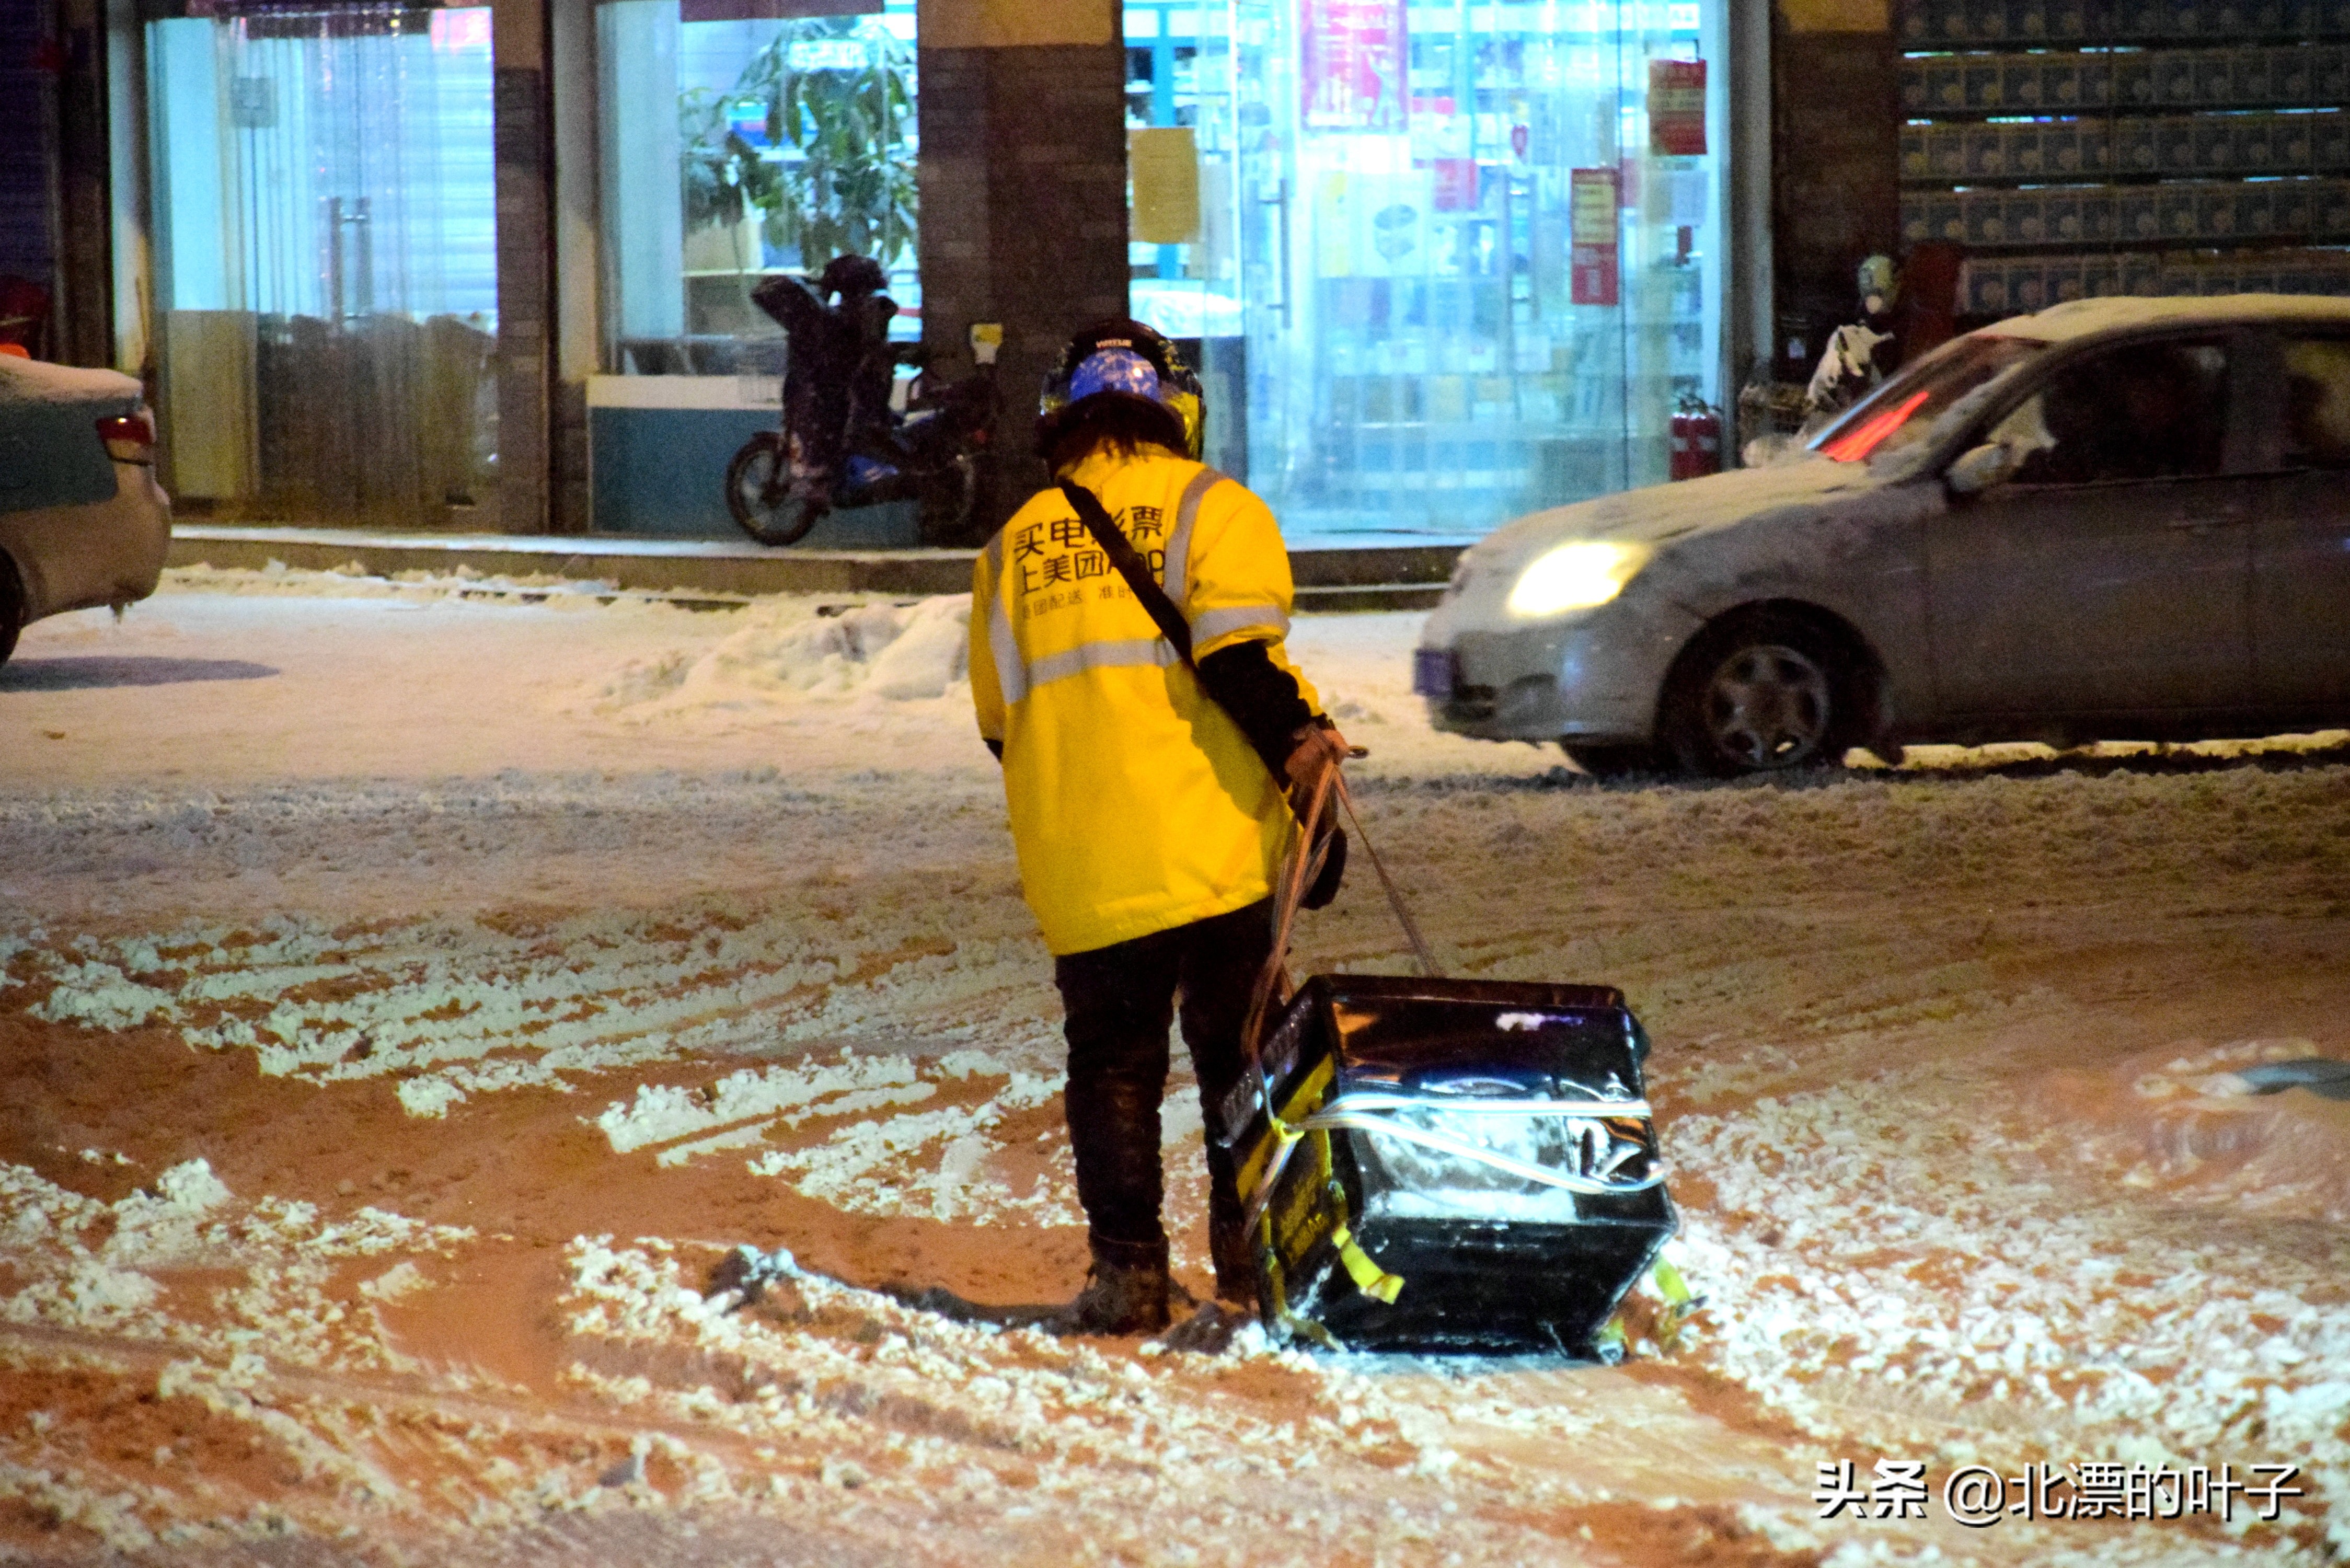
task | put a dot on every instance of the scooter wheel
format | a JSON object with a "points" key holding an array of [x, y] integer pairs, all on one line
{"points": [[759, 495], [948, 498]]}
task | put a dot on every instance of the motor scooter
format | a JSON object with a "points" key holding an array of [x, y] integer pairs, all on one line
{"points": [[839, 443]]}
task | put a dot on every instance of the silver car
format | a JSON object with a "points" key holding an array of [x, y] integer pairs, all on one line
{"points": [[2118, 518], [82, 521]]}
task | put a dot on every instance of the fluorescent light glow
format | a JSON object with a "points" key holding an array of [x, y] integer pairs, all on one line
{"points": [[1575, 577]]}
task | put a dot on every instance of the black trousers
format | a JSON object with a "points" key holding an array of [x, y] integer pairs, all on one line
{"points": [[1119, 1001]]}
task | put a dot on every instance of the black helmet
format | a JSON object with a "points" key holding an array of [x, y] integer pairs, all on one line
{"points": [[852, 275], [1125, 359]]}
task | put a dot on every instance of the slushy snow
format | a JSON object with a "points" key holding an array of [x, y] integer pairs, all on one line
{"points": [[410, 992]]}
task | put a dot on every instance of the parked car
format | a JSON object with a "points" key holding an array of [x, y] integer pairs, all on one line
{"points": [[82, 521], [2115, 519]]}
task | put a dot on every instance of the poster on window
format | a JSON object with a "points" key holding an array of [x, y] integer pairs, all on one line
{"points": [[1455, 184], [1595, 208], [1352, 64], [1677, 108]]}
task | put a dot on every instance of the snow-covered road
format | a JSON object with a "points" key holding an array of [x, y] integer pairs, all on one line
{"points": [[408, 993]]}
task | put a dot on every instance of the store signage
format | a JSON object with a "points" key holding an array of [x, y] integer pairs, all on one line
{"points": [[1593, 211], [1453, 184], [1677, 108], [461, 31], [1163, 166], [1353, 64]]}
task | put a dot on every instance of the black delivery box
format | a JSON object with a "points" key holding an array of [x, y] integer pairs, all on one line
{"points": [[1457, 1165]]}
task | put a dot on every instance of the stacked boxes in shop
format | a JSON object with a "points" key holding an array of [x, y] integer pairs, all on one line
{"points": [[2128, 146]]}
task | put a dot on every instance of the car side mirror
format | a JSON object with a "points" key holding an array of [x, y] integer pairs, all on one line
{"points": [[1979, 468]]}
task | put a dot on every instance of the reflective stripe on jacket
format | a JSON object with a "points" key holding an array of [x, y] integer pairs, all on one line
{"points": [[1137, 804]]}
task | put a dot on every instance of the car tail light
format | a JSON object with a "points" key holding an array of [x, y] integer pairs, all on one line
{"points": [[129, 438], [1854, 444]]}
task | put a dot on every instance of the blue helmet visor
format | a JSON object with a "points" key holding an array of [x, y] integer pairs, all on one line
{"points": [[1114, 370]]}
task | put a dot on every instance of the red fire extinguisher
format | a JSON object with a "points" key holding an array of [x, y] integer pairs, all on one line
{"points": [[1696, 437]]}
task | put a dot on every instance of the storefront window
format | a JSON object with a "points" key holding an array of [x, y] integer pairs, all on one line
{"points": [[736, 144], [1453, 262], [1182, 250], [325, 261]]}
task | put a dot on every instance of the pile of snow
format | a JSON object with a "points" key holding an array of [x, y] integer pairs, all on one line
{"points": [[665, 1114], [882, 1165], [880, 1159], [84, 1265], [797, 647], [966, 1399]]}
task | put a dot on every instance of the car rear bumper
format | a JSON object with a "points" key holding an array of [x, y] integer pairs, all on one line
{"points": [[108, 552]]}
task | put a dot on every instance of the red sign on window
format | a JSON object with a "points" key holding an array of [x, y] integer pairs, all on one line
{"points": [[1353, 64], [1677, 108], [1594, 209], [1454, 183]]}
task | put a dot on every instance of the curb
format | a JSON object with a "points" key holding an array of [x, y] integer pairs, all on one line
{"points": [[1390, 578]]}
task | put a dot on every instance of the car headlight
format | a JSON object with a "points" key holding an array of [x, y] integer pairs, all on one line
{"points": [[1575, 577]]}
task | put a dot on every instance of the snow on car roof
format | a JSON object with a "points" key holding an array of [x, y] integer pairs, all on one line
{"points": [[39, 381], [2082, 317]]}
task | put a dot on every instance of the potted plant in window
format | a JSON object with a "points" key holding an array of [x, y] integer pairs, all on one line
{"points": [[835, 174]]}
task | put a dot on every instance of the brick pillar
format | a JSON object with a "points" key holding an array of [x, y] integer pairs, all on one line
{"points": [[522, 139], [27, 149], [578, 327], [1022, 183], [83, 310]]}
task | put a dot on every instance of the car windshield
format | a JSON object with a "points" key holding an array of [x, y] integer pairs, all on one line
{"points": [[1905, 408]]}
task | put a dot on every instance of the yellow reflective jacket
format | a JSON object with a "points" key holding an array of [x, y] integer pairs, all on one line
{"points": [[1137, 804]]}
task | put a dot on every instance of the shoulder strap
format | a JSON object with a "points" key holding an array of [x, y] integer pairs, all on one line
{"points": [[1131, 566]]}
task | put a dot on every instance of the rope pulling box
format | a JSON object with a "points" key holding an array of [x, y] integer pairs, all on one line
{"points": [[1434, 1165]]}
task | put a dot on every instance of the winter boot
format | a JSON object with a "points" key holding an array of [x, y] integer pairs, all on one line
{"points": [[1118, 1298], [1235, 1263]]}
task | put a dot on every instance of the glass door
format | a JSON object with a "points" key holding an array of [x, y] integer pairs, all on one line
{"points": [[1182, 127], [325, 225], [1477, 251]]}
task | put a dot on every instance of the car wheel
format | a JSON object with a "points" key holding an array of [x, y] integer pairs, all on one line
{"points": [[1613, 762], [12, 606], [1764, 693]]}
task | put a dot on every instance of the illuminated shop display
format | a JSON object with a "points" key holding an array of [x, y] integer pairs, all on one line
{"points": [[735, 148], [324, 229], [1449, 262]]}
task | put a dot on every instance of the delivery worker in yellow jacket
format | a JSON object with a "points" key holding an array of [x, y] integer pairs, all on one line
{"points": [[1149, 802]]}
